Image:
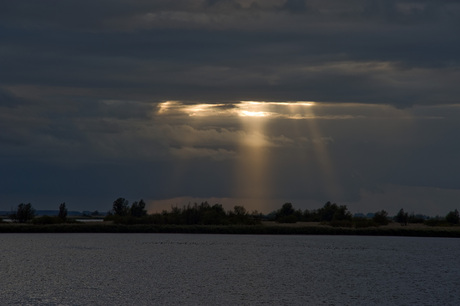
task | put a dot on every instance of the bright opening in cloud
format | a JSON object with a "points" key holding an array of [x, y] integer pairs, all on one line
{"points": [[201, 110], [254, 114], [261, 109]]}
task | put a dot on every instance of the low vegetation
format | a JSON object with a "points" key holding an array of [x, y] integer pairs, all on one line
{"points": [[330, 219]]}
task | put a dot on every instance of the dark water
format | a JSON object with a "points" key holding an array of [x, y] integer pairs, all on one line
{"points": [[176, 269]]}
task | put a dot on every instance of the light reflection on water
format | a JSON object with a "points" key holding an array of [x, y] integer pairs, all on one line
{"points": [[181, 269]]}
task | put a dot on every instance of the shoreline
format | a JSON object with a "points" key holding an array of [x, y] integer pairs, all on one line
{"points": [[267, 228]]}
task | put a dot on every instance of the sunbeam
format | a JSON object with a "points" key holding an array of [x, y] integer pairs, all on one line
{"points": [[322, 157], [253, 177], [252, 172]]}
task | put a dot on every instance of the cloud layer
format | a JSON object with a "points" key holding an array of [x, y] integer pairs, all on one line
{"points": [[153, 99], [393, 52]]}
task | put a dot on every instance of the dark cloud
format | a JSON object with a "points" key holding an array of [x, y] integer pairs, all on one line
{"points": [[395, 52], [82, 85], [9, 100]]}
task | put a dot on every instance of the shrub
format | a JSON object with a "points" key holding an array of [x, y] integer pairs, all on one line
{"points": [[436, 222], [415, 218], [287, 219], [47, 220], [341, 223], [363, 222]]}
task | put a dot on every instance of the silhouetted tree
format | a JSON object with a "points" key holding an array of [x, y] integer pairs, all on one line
{"points": [[191, 214], [121, 207], [326, 213], [239, 215], [413, 218], [402, 217], [213, 214], [286, 210], [62, 211], [138, 209], [333, 212], [256, 215], [287, 214], [310, 216], [239, 210], [24, 213], [381, 218], [453, 217]]}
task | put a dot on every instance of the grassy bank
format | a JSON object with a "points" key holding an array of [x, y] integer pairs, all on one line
{"points": [[264, 229]]}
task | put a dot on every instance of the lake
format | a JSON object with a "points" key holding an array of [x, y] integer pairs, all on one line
{"points": [[194, 269]]}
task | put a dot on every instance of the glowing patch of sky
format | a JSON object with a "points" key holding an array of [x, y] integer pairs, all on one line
{"points": [[252, 171], [243, 109]]}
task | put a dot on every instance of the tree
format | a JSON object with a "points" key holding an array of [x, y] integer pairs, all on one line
{"points": [[62, 211], [120, 207], [138, 209], [214, 214], [310, 215], [381, 217], [24, 213], [286, 210], [333, 212], [239, 215], [402, 217], [239, 210], [287, 214], [453, 217]]}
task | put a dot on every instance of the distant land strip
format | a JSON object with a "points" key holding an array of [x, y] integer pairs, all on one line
{"points": [[453, 232]]}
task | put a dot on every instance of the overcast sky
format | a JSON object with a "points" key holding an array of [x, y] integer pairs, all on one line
{"points": [[238, 102]]}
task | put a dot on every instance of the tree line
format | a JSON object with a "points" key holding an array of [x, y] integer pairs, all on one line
{"points": [[203, 213], [338, 215], [25, 213], [206, 214], [330, 213]]}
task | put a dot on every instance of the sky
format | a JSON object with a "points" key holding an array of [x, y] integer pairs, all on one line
{"points": [[238, 102]]}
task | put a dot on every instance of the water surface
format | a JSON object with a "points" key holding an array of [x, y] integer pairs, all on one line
{"points": [[192, 269]]}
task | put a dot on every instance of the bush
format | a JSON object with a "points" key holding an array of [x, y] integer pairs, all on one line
{"points": [[130, 220], [436, 222], [47, 220], [363, 222], [415, 218], [341, 223], [287, 219]]}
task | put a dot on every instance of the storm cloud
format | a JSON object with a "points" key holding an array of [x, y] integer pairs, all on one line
{"points": [[151, 99]]}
